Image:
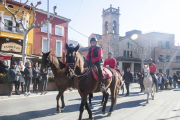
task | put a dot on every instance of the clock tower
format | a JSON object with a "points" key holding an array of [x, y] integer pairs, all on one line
{"points": [[110, 31]]}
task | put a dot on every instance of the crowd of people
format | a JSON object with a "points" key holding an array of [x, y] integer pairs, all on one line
{"points": [[24, 75]]}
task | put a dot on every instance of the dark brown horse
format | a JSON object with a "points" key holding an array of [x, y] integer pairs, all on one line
{"points": [[61, 80], [85, 82]]}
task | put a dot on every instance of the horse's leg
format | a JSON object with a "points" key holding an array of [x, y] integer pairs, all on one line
{"points": [[90, 97], [89, 111], [113, 98], [147, 92], [105, 97], [83, 103], [63, 104], [58, 106]]}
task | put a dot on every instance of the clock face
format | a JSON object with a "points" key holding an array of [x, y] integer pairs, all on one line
{"points": [[114, 36]]}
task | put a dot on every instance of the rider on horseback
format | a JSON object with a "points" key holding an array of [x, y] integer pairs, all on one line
{"points": [[110, 61], [152, 68], [95, 56]]}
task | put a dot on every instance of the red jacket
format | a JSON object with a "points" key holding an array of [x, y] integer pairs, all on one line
{"points": [[111, 62], [95, 59], [152, 68]]}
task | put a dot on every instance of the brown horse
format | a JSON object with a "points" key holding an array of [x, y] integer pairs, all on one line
{"points": [[85, 82], [61, 80]]}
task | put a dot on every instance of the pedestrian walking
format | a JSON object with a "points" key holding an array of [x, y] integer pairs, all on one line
{"points": [[21, 68], [128, 78], [4, 68], [28, 78], [13, 74], [44, 80], [36, 75], [175, 79]]}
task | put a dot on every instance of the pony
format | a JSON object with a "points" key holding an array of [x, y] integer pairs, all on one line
{"points": [[61, 80], [85, 82], [148, 83]]}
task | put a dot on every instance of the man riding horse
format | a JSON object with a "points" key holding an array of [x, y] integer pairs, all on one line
{"points": [[95, 56], [152, 68]]}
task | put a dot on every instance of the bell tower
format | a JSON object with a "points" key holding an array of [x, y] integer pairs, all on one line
{"points": [[110, 31]]}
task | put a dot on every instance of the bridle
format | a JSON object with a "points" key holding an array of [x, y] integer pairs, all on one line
{"points": [[146, 73], [74, 64]]}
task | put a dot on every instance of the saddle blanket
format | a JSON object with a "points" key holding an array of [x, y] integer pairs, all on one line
{"points": [[106, 73]]}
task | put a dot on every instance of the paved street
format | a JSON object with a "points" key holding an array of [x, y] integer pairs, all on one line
{"points": [[166, 106]]}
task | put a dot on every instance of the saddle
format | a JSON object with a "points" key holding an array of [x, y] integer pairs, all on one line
{"points": [[106, 73]]}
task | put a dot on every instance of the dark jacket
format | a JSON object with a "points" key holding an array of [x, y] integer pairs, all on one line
{"points": [[45, 74], [95, 54], [175, 77], [36, 72], [28, 72], [13, 74], [128, 77], [4, 69]]}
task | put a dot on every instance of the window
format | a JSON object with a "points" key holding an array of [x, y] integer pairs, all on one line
{"points": [[167, 71], [160, 58], [127, 53], [20, 29], [167, 58], [160, 70], [58, 48], [167, 44], [130, 54], [114, 26], [59, 30], [124, 53], [44, 45], [44, 28], [177, 58], [159, 43], [9, 23], [106, 27]]}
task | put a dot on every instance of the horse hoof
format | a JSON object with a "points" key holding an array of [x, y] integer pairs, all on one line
{"points": [[103, 112], [147, 102], [101, 104], [58, 111], [109, 114], [152, 98], [91, 118], [62, 109]]}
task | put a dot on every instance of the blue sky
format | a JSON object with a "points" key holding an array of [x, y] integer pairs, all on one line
{"points": [[145, 15]]}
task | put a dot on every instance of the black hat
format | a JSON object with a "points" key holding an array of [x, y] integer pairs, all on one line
{"points": [[71, 45], [110, 53], [149, 59], [14, 63]]}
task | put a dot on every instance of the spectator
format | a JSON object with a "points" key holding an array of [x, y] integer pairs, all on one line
{"points": [[117, 69], [21, 68], [160, 81], [165, 79], [44, 80], [170, 82], [13, 74], [128, 78], [175, 79], [36, 76], [28, 78], [4, 68]]}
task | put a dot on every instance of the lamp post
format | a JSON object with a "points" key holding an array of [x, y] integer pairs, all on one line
{"points": [[48, 26]]}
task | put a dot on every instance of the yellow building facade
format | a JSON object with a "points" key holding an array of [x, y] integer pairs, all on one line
{"points": [[13, 35]]}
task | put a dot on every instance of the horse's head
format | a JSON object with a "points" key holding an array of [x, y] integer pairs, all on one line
{"points": [[72, 57], [45, 63], [146, 70]]}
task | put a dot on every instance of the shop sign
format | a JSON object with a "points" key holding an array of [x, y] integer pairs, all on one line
{"points": [[11, 46]]}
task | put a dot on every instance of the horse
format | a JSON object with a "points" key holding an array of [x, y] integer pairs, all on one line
{"points": [[61, 80], [85, 82], [148, 83]]}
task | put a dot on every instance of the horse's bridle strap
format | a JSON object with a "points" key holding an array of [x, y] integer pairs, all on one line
{"points": [[70, 63]]}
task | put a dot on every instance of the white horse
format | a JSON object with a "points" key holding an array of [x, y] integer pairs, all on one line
{"points": [[148, 83]]}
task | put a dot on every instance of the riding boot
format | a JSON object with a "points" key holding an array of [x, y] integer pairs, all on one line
{"points": [[102, 86]]}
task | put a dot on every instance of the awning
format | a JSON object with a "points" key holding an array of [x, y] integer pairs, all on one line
{"points": [[5, 57]]}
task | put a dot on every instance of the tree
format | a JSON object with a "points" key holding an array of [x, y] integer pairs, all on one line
{"points": [[26, 30]]}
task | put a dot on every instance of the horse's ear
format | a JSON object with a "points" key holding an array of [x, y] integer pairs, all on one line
{"points": [[67, 46], [43, 53], [49, 52], [62, 65], [77, 47]]}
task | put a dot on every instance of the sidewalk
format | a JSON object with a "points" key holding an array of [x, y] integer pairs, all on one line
{"points": [[14, 96]]}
